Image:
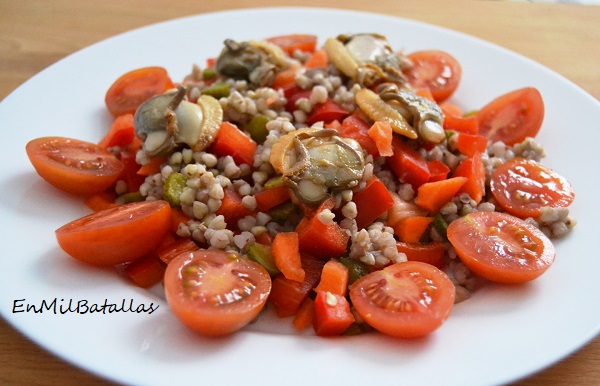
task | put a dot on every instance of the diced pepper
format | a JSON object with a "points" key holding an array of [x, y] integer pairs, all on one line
{"points": [[332, 314], [287, 295], [233, 142], [270, 198], [408, 164], [411, 229], [334, 278], [232, 208], [285, 250], [438, 170], [432, 196], [371, 202], [430, 253], [304, 316], [146, 271], [473, 169]]}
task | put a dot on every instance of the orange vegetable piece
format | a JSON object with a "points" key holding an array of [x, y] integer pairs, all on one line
{"points": [[317, 59], [438, 170], [145, 271], [270, 198], [411, 229], [175, 246], [304, 316], [381, 133], [287, 295], [230, 140], [121, 132], [469, 125], [100, 201], [472, 168], [371, 202], [286, 80], [153, 167], [430, 253], [469, 144], [332, 314], [431, 196], [321, 240], [334, 278], [232, 208], [286, 254], [408, 164]]}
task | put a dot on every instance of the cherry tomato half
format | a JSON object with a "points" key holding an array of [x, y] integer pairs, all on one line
{"points": [[406, 300], [116, 235], [437, 71], [293, 42], [215, 292], [74, 166], [512, 117], [135, 87], [501, 247], [523, 187]]}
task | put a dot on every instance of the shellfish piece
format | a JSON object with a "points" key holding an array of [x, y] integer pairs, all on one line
{"points": [[378, 110], [314, 162], [366, 58], [426, 116], [166, 122]]}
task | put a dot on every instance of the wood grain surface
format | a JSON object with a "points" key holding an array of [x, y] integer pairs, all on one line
{"points": [[36, 34]]}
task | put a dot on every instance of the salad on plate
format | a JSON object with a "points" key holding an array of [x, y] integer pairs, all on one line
{"points": [[334, 182]]}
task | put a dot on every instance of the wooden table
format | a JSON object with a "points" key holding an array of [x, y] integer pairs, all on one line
{"points": [[36, 34]]}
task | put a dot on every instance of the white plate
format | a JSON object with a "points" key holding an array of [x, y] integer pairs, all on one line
{"points": [[501, 334]]}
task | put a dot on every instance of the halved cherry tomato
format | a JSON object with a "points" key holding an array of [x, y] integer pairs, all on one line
{"points": [[293, 42], [407, 300], [215, 292], [135, 87], [437, 70], [501, 247], [523, 187], [512, 117], [116, 235], [74, 166]]}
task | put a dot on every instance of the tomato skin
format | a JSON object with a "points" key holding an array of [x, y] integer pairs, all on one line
{"points": [[512, 117], [116, 235], [419, 298], [523, 187], [73, 166], [135, 87], [198, 285], [438, 71], [292, 42], [500, 247]]}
